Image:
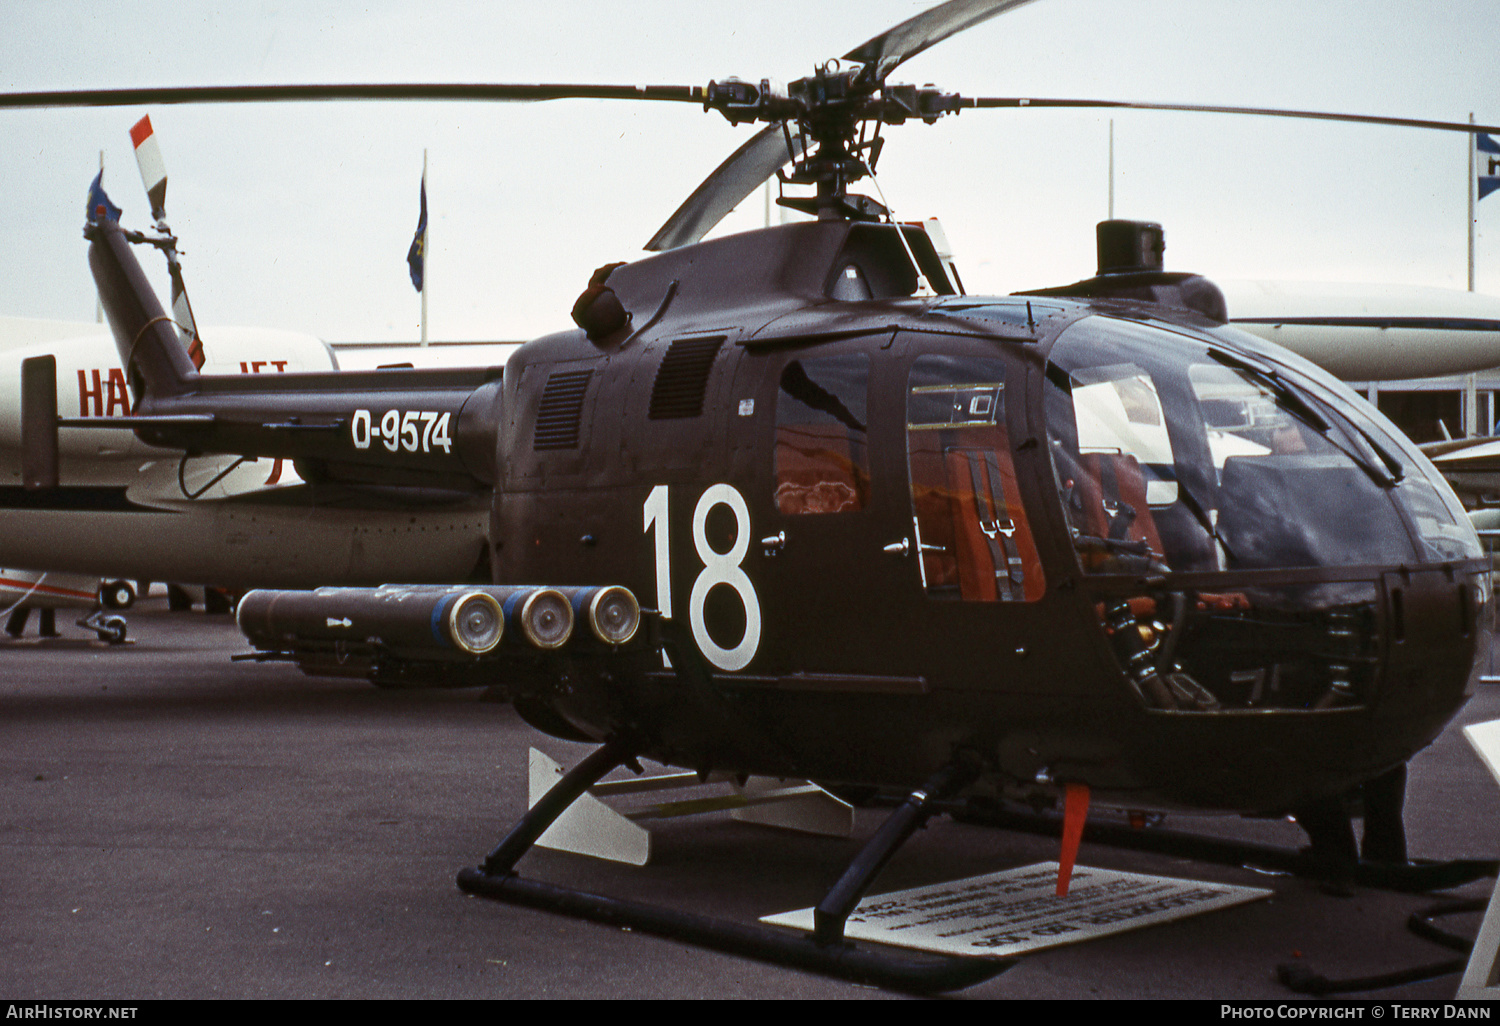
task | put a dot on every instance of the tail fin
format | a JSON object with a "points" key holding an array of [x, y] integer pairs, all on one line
{"points": [[39, 453], [156, 363]]}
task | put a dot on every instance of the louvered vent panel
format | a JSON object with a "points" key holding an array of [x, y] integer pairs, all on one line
{"points": [[561, 410], [683, 378]]}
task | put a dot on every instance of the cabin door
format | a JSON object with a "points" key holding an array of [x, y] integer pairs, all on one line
{"points": [[826, 499]]}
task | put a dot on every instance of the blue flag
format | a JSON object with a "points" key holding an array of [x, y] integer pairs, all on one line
{"points": [[99, 207], [1488, 162], [416, 256]]}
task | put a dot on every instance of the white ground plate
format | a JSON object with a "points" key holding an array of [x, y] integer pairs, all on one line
{"points": [[1482, 977], [1017, 911]]}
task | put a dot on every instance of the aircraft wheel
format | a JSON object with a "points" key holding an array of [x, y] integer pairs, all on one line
{"points": [[112, 630], [117, 595]]}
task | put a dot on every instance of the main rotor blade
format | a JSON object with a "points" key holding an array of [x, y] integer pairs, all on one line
{"points": [[983, 102], [749, 166], [493, 92], [740, 175], [887, 50]]}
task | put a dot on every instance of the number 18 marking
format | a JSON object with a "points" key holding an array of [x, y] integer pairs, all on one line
{"points": [[718, 568]]}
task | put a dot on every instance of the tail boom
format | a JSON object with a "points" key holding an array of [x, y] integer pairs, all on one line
{"points": [[400, 427]]}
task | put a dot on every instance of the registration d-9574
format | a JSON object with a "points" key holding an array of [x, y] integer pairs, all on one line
{"points": [[412, 430]]}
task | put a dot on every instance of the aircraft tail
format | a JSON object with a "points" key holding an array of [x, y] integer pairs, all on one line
{"points": [[327, 419], [155, 361]]}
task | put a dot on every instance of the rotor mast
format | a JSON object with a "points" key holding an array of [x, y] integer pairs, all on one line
{"points": [[831, 113]]}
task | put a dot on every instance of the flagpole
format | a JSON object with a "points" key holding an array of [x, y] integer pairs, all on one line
{"points": [[1472, 185], [1471, 382], [98, 300], [1111, 169], [426, 264]]}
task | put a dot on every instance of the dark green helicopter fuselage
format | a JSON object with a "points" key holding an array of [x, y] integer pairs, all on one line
{"points": [[1093, 541], [1067, 536]]}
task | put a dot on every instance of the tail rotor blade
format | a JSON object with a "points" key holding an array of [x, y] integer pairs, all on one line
{"points": [[154, 177], [182, 313], [153, 168]]}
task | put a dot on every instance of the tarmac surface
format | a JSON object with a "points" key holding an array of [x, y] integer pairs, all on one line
{"points": [[177, 825]]}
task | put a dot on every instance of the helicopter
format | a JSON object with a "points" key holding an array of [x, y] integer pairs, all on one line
{"points": [[789, 503]]}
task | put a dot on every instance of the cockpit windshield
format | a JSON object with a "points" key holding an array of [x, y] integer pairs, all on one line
{"points": [[1248, 523], [1174, 456]]}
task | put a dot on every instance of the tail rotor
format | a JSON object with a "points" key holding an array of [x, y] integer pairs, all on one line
{"points": [[154, 177]]}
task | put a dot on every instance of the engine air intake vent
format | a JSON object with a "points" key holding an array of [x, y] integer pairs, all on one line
{"points": [[683, 378], [561, 410]]}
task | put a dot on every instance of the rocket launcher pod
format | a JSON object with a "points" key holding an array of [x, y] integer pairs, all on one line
{"points": [[543, 615], [612, 613], [434, 621], [461, 621]]}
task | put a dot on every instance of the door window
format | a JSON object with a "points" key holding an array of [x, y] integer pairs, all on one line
{"points": [[973, 540], [822, 435]]}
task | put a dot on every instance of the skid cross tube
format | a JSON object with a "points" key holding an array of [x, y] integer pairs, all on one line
{"points": [[554, 803], [912, 814], [497, 879]]}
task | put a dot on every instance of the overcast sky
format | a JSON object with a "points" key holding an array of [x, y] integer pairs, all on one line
{"points": [[299, 216]]}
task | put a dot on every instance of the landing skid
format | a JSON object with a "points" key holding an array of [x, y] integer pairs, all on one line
{"points": [[827, 951]]}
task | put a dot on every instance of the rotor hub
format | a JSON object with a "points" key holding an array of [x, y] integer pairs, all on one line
{"points": [[833, 111]]}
